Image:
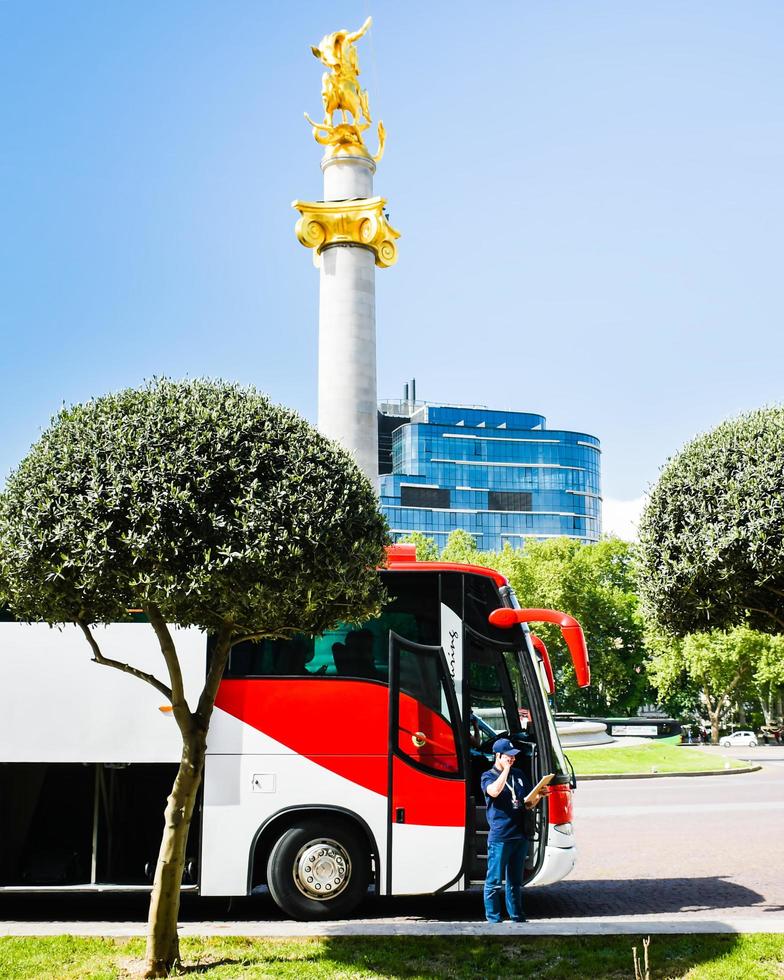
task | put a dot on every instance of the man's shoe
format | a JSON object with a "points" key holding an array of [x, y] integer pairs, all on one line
{"points": [[519, 920]]}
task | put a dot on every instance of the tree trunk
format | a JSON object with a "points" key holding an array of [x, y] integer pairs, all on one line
{"points": [[766, 703], [714, 716], [163, 945]]}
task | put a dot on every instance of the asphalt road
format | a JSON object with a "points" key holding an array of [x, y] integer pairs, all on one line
{"points": [[678, 850]]}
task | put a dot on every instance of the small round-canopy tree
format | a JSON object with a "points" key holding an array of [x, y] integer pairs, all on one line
{"points": [[712, 536], [205, 505]]}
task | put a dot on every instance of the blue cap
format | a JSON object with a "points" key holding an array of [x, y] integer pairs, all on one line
{"points": [[503, 746]]}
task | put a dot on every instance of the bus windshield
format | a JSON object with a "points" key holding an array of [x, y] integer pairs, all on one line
{"points": [[497, 688], [558, 759]]}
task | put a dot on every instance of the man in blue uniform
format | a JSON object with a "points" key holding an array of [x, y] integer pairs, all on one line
{"points": [[505, 790]]}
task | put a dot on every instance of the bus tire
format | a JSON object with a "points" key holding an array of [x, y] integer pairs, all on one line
{"points": [[319, 869]]}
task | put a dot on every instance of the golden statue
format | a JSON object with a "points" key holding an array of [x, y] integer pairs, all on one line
{"points": [[341, 92]]}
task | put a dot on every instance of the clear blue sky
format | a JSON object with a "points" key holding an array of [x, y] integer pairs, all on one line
{"points": [[590, 196]]}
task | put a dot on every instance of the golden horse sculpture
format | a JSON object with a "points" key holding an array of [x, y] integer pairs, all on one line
{"points": [[341, 92]]}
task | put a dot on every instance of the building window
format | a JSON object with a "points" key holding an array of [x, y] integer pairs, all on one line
{"points": [[504, 500], [424, 497]]}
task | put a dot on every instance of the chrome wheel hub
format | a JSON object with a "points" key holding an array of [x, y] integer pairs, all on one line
{"points": [[322, 869]]}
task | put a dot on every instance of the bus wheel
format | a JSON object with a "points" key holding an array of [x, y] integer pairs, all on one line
{"points": [[318, 870]]}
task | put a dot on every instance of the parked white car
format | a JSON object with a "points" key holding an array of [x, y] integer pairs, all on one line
{"points": [[740, 738]]}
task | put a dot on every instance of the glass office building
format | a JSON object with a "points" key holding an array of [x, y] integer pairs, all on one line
{"points": [[501, 476]]}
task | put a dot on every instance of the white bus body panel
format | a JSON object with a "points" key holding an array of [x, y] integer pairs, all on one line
{"points": [[425, 858], [248, 778], [57, 705], [558, 863]]}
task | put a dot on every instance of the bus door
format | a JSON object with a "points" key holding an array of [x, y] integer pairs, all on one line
{"points": [[502, 695], [427, 784]]}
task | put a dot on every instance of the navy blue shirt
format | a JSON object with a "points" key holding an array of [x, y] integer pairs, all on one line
{"points": [[505, 822]]}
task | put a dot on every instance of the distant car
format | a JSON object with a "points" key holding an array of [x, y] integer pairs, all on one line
{"points": [[740, 738]]}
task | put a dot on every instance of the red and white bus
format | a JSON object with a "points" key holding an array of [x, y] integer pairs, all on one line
{"points": [[335, 763]]}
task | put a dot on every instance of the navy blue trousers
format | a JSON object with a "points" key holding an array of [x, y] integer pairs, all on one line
{"points": [[505, 860]]}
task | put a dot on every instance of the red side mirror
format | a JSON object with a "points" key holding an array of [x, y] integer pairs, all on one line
{"points": [[538, 643], [570, 628]]}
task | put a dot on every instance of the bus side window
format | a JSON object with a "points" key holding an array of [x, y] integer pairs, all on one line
{"points": [[265, 658], [419, 678], [425, 719], [355, 656]]}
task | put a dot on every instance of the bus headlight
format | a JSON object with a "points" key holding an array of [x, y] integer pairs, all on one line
{"points": [[563, 828]]}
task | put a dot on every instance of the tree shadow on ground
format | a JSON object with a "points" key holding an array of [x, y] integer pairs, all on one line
{"points": [[642, 896], [546, 958], [572, 899], [568, 899]]}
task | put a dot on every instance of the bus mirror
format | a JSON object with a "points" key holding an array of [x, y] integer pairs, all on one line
{"points": [[571, 630], [538, 643]]}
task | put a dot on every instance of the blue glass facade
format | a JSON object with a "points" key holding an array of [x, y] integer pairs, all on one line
{"points": [[501, 476]]}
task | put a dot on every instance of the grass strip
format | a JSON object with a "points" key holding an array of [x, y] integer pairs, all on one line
{"points": [[697, 957], [657, 756]]}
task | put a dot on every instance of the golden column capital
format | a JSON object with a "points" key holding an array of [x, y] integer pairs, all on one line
{"points": [[363, 222]]}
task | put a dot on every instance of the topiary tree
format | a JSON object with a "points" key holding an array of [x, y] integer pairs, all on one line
{"points": [[712, 536], [204, 505]]}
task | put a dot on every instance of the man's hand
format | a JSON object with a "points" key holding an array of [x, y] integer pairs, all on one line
{"points": [[506, 762]]}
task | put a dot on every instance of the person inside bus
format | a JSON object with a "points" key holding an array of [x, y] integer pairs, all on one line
{"points": [[505, 790], [474, 734], [354, 658], [292, 657]]}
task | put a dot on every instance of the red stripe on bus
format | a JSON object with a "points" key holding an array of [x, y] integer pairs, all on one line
{"points": [[342, 725]]}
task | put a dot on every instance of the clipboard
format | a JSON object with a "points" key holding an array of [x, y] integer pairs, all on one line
{"points": [[541, 785]]}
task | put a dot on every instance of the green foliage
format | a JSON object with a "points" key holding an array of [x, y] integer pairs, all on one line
{"points": [[712, 535], [677, 692], [769, 663], [199, 497], [694, 956], [724, 666], [768, 677], [594, 583], [717, 661], [426, 548], [461, 547]]}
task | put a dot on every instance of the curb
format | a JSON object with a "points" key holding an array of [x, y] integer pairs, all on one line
{"points": [[594, 926], [668, 775]]}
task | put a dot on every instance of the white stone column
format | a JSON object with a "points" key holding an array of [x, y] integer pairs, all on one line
{"points": [[347, 396]]}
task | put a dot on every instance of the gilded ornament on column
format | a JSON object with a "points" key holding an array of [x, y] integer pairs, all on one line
{"points": [[361, 222], [341, 92]]}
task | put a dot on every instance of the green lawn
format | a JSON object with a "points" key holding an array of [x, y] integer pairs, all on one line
{"points": [[662, 756], [693, 957]]}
